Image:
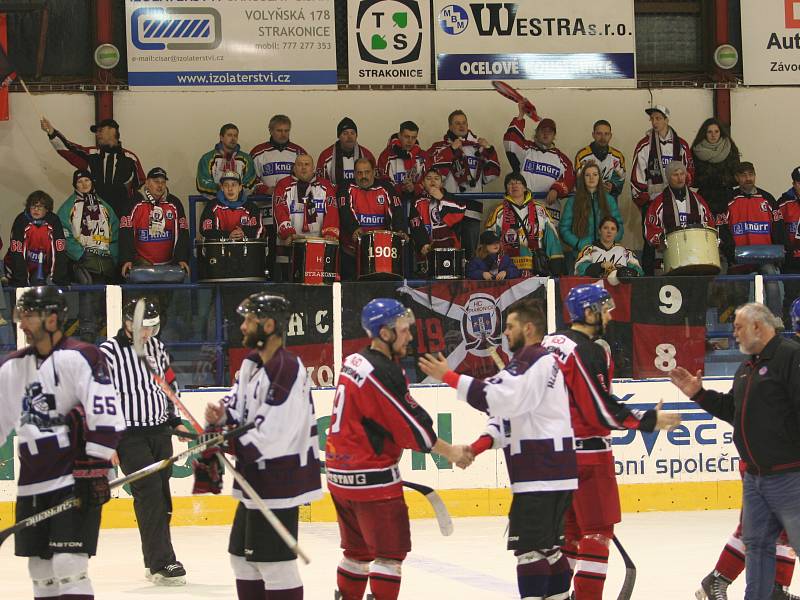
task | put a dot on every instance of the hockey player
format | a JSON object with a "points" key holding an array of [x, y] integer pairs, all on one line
{"points": [[279, 458], [231, 215], [528, 406], [57, 395], [150, 417], [303, 205], [273, 160], [588, 370], [374, 419]]}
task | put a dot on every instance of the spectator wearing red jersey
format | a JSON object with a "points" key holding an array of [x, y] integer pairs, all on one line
{"points": [[436, 217], [337, 162], [231, 215], [156, 231]]}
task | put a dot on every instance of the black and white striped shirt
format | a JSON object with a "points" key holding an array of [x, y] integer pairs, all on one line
{"points": [[143, 401]]}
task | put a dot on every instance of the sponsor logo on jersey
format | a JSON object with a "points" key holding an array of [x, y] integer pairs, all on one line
{"points": [[145, 235], [277, 168], [368, 220], [746, 227], [540, 168]]}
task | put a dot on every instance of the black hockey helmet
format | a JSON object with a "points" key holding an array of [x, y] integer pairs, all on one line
{"points": [[263, 305], [152, 316], [45, 299]]}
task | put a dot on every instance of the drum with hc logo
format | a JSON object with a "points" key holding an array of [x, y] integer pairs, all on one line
{"points": [[232, 260], [447, 263], [381, 255], [692, 251], [314, 261]]}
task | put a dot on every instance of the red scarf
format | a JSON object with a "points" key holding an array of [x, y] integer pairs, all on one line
{"points": [[409, 156], [510, 220], [460, 165]]}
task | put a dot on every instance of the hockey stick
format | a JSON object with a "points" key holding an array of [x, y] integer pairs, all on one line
{"points": [[72, 502], [439, 508], [630, 572], [279, 527]]}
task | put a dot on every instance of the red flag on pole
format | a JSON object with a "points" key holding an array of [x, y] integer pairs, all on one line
{"points": [[7, 73]]}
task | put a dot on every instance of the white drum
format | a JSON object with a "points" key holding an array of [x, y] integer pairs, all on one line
{"points": [[692, 251]]}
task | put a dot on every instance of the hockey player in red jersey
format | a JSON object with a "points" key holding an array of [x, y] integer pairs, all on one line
{"points": [[374, 418], [58, 396], [279, 458], [588, 370], [528, 405]]}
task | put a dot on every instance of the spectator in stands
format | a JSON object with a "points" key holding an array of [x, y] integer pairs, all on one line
{"points": [[37, 252], [715, 159], [91, 230], [117, 172], [654, 152], [611, 160], [225, 156], [304, 205], [605, 256], [584, 210], [156, 231], [676, 207], [363, 206], [273, 160], [467, 163], [753, 219], [547, 171], [488, 263], [403, 163], [789, 204], [436, 217], [526, 232], [231, 215], [337, 162]]}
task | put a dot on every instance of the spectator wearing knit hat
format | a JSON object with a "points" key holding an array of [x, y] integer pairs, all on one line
{"points": [[337, 162]]}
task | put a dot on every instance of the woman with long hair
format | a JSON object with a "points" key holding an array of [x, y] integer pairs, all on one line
{"points": [[585, 209], [715, 159]]}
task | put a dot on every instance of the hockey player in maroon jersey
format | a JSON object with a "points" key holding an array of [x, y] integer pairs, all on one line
{"points": [[529, 417], [588, 370], [273, 160], [58, 396], [374, 419], [231, 215], [279, 458], [366, 204]]}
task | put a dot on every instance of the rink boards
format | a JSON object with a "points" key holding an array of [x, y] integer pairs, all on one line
{"points": [[694, 467]]}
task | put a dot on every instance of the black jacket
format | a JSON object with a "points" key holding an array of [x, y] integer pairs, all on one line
{"points": [[764, 408]]}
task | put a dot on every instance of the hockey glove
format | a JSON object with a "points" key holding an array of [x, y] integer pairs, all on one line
{"points": [[91, 482], [207, 473]]}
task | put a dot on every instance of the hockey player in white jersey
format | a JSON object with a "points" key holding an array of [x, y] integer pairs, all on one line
{"points": [[57, 395], [529, 414], [279, 458]]}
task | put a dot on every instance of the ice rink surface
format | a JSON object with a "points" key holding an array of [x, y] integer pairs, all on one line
{"points": [[672, 552]]}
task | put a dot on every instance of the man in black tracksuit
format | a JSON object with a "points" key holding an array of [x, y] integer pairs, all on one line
{"points": [[764, 408]]}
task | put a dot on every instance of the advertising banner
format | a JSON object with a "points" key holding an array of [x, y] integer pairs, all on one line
{"points": [[389, 42], [568, 43], [227, 44], [770, 42]]}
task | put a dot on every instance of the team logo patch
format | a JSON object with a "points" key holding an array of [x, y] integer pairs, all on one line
{"points": [[381, 200], [170, 214]]}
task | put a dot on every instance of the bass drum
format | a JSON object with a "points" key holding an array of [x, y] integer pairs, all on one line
{"points": [[381, 255], [314, 261], [232, 261], [447, 263], [692, 251]]}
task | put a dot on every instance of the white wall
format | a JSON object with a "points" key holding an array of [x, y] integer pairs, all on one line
{"points": [[174, 129]]}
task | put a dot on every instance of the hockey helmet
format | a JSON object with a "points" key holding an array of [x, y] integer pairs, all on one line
{"points": [[383, 312], [266, 306], [45, 299], [582, 297], [152, 317], [794, 312]]}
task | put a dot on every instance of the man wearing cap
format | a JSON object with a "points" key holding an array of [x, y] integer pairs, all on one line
{"points": [[117, 172], [610, 160], [231, 215], [467, 163], [676, 207], [337, 162], [789, 204], [547, 171], [225, 156], [657, 149], [155, 231], [752, 219], [274, 159]]}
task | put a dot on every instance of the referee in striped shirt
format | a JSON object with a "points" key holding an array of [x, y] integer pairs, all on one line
{"points": [[150, 417]]}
